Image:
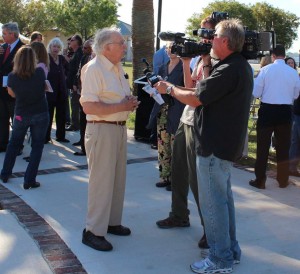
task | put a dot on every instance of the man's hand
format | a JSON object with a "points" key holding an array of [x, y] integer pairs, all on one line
{"points": [[130, 103]]}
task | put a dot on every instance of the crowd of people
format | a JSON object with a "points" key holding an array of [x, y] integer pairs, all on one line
{"points": [[201, 128], [60, 73]]}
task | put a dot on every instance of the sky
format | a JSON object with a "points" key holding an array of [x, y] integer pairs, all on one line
{"points": [[175, 15]]}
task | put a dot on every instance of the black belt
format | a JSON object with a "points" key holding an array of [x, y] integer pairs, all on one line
{"points": [[278, 105], [118, 123]]}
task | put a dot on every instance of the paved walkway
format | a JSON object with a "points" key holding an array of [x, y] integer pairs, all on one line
{"points": [[40, 229]]}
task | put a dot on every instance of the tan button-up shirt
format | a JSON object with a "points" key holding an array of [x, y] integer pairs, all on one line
{"points": [[103, 81]]}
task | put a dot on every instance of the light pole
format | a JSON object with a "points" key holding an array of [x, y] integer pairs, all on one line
{"points": [[158, 24], [299, 59]]}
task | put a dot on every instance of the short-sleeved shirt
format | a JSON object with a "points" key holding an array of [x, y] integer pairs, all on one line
{"points": [[30, 93], [103, 81], [221, 122]]}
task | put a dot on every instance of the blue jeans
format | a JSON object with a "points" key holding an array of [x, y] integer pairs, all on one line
{"points": [[38, 125], [217, 207], [295, 144]]}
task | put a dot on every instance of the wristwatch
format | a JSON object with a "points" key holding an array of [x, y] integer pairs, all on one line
{"points": [[169, 90]]}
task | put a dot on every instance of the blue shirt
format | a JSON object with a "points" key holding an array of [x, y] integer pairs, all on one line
{"points": [[160, 58]]}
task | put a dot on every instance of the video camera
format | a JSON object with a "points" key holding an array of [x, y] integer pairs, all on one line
{"points": [[185, 47], [254, 46]]}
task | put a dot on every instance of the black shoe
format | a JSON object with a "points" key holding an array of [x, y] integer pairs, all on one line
{"points": [[64, 140], [203, 242], [95, 242], [31, 185], [71, 128], [27, 158], [4, 178], [77, 144], [20, 152], [163, 183], [171, 222], [80, 153], [258, 183], [169, 187], [295, 173], [118, 230]]}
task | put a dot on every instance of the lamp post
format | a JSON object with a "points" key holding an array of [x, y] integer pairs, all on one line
{"points": [[299, 59], [158, 24]]}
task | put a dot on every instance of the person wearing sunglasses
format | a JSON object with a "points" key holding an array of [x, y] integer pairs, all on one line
{"points": [[222, 102]]}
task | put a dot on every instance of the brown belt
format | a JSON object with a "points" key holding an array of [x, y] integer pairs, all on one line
{"points": [[118, 123]]}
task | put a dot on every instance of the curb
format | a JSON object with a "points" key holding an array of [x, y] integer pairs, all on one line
{"points": [[56, 253]]}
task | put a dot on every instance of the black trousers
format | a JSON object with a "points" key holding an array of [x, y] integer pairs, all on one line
{"points": [[82, 124], [60, 119], [277, 119], [75, 105], [6, 114]]}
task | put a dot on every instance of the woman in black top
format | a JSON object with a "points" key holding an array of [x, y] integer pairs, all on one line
{"points": [[27, 84], [58, 99]]}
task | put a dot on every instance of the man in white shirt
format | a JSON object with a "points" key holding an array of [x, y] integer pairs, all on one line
{"points": [[278, 86]]}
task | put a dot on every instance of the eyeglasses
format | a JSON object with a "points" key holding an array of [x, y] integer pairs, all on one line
{"points": [[217, 35], [122, 43]]}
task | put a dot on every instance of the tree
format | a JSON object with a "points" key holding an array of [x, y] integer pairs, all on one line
{"points": [[232, 7], [142, 35], [259, 17], [10, 10], [83, 16], [285, 24], [41, 20]]}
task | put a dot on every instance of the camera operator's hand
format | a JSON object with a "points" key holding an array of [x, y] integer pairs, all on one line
{"points": [[206, 59], [161, 86]]}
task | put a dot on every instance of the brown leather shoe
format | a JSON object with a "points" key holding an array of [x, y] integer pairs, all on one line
{"points": [[258, 183], [118, 230], [95, 242], [171, 222], [284, 185]]}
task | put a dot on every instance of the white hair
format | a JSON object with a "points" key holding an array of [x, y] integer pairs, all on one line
{"points": [[103, 37], [55, 42]]}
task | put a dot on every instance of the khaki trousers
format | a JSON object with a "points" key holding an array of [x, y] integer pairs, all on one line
{"points": [[106, 150]]}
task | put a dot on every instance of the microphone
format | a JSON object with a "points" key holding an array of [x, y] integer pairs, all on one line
{"points": [[145, 61], [170, 36], [147, 69]]}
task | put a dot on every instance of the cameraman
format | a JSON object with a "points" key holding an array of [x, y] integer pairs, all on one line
{"points": [[220, 130], [183, 173]]}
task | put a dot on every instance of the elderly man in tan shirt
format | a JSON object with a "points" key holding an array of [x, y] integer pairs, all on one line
{"points": [[107, 102]]}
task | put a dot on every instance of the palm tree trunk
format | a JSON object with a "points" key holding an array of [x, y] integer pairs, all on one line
{"points": [[142, 35]]}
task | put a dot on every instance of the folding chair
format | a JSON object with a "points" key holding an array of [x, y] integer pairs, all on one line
{"points": [[254, 113]]}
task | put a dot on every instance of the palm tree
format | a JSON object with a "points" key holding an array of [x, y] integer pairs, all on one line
{"points": [[142, 35]]}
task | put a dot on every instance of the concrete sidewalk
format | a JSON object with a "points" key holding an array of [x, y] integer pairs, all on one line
{"points": [[268, 221]]}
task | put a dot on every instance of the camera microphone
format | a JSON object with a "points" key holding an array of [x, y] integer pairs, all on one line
{"points": [[170, 36], [145, 62]]}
